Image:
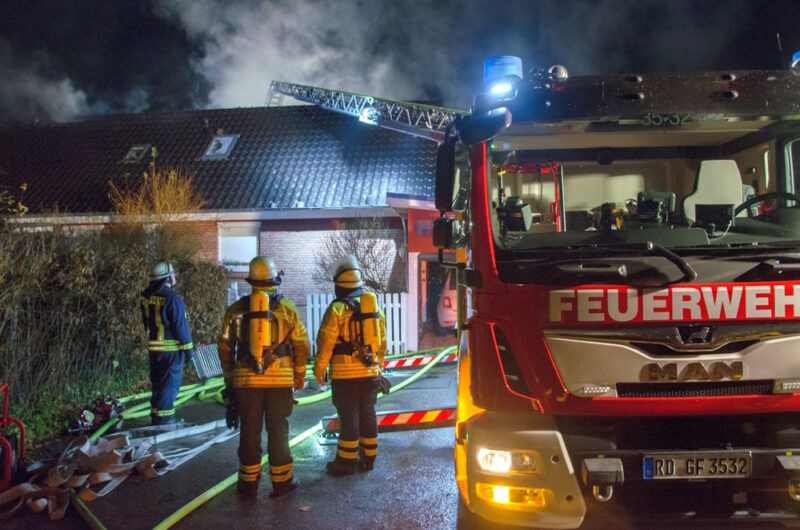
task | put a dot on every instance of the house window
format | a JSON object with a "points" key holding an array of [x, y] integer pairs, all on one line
{"points": [[135, 154], [238, 244], [220, 147]]}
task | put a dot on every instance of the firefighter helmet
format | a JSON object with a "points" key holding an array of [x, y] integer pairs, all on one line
{"points": [[162, 269], [347, 273], [263, 272]]}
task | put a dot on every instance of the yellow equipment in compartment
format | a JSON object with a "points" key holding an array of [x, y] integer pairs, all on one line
{"points": [[370, 327], [260, 328]]}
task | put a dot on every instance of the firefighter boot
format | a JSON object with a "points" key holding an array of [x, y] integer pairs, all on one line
{"points": [[247, 489], [368, 450], [340, 467], [279, 488]]}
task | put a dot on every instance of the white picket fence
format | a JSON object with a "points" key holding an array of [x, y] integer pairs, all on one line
{"points": [[393, 305]]}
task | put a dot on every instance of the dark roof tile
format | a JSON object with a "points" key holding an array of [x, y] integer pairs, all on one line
{"points": [[283, 155]]}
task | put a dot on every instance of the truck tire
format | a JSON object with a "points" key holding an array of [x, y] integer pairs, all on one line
{"points": [[465, 519]]}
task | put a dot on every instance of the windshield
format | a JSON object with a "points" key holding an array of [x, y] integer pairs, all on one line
{"points": [[663, 180]]}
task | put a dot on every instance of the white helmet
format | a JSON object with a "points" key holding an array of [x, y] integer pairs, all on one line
{"points": [[162, 269], [263, 272], [347, 273]]}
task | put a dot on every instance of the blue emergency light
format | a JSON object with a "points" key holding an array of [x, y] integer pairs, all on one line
{"points": [[796, 61], [501, 69], [500, 88]]}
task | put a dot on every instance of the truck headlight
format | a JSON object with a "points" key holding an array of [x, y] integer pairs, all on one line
{"points": [[496, 461]]}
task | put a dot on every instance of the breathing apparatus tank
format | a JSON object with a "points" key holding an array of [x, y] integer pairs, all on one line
{"points": [[370, 326], [260, 328]]}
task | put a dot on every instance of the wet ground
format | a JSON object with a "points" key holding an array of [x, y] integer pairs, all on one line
{"points": [[411, 486]]}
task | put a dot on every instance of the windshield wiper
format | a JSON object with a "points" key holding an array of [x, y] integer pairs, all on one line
{"points": [[599, 269], [649, 247], [771, 269], [689, 273], [596, 263], [779, 267]]}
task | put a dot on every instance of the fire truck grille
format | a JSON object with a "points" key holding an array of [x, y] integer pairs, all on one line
{"points": [[710, 389], [663, 350]]}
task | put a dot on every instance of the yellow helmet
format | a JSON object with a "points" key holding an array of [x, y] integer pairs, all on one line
{"points": [[263, 272], [162, 269], [347, 273]]}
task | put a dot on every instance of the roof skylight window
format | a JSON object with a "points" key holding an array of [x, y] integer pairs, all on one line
{"points": [[135, 154], [220, 147]]}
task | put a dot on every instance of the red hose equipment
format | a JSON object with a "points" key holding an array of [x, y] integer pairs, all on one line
{"points": [[7, 451]]}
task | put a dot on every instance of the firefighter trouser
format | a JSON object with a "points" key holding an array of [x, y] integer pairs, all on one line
{"points": [[355, 400], [257, 407], [166, 371]]}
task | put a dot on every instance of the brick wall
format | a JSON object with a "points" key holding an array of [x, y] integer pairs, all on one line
{"points": [[209, 235], [295, 245]]}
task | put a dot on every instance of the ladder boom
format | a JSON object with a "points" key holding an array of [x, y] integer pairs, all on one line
{"points": [[426, 121]]}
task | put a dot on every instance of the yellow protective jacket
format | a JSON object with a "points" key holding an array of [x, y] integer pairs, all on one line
{"points": [[336, 324], [234, 351]]}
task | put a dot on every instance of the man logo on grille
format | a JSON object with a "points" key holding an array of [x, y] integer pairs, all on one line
{"points": [[693, 371]]}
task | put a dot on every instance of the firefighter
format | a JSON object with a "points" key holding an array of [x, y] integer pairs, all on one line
{"points": [[263, 348], [352, 339], [170, 341]]}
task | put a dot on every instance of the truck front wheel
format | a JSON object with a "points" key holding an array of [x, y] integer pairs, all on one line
{"points": [[466, 520]]}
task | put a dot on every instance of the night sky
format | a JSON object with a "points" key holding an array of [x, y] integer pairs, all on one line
{"points": [[63, 59]]}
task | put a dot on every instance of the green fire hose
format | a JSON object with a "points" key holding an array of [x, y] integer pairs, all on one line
{"points": [[224, 484], [210, 389]]}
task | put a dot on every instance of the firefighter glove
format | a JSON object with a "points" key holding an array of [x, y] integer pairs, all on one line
{"points": [[299, 381], [384, 385], [231, 408]]}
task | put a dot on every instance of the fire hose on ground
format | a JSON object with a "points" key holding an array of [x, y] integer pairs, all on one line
{"points": [[226, 483], [204, 390]]}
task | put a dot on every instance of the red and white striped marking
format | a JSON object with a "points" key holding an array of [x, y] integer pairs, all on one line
{"points": [[403, 421], [418, 361]]}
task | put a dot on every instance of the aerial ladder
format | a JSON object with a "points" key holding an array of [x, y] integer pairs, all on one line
{"points": [[417, 119]]}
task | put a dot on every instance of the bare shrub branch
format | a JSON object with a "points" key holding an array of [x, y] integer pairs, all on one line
{"points": [[375, 247]]}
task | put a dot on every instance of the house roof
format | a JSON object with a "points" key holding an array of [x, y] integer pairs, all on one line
{"points": [[284, 157]]}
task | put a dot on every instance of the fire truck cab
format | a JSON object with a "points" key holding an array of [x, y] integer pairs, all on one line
{"points": [[629, 313]]}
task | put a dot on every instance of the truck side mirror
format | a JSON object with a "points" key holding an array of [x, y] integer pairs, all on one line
{"points": [[484, 126], [445, 176], [448, 232]]}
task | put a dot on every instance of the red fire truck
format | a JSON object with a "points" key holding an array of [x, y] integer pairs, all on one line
{"points": [[628, 248]]}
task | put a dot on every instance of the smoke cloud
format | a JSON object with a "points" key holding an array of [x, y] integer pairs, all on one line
{"points": [[434, 50], [131, 55], [340, 45], [27, 95]]}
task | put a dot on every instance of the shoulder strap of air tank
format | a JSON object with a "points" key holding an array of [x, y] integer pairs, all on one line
{"points": [[351, 302], [355, 305], [275, 301]]}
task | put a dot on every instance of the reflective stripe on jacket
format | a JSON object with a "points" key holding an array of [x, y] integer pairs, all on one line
{"points": [[165, 320], [234, 348], [336, 324]]}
